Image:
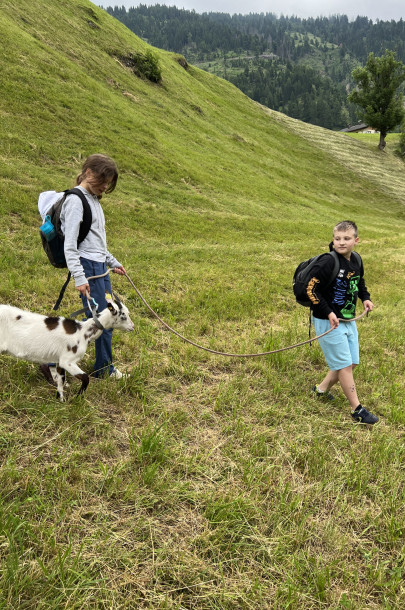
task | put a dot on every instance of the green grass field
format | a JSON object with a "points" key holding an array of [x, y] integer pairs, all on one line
{"points": [[201, 482], [372, 139]]}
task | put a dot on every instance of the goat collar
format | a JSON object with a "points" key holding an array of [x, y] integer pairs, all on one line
{"points": [[92, 306], [97, 321]]}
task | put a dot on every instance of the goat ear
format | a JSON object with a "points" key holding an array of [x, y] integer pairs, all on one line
{"points": [[110, 303]]}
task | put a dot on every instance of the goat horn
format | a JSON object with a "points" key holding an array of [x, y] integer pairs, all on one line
{"points": [[116, 299]]}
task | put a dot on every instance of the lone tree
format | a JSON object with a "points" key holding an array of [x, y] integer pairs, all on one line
{"points": [[377, 93], [401, 145]]}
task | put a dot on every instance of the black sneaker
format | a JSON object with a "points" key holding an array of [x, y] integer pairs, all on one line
{"points": [[361, 415], [327, 396]]}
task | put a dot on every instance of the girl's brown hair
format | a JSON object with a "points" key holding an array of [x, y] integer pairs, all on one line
{"points": [[104, 169]]}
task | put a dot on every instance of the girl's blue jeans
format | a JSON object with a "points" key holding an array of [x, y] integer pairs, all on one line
{"points": [[104, 359]]}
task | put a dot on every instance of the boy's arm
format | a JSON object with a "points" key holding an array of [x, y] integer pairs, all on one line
{"points": [[316, 286], [364, 293]]}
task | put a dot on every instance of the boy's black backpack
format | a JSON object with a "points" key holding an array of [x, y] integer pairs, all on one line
{"points": [[54, 248], [303, 274]]}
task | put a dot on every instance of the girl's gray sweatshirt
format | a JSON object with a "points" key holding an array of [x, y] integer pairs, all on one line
{"points": [[94, 246]]}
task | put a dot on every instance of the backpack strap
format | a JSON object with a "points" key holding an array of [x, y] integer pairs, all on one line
{"points": [[335, 271], [87, 216], [357, 258], [83, 232], [62, 292]]}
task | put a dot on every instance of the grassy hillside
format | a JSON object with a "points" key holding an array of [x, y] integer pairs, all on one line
{"points": [[200, 482]]}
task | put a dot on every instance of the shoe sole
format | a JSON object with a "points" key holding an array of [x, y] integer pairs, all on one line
{"points": [[365, 423]]}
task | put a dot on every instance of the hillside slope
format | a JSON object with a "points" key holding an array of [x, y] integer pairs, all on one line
{"points": [[200, 482], [191, 144]]}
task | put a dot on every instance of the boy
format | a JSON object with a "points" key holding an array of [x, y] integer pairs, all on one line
{"points": [[336, 302]]}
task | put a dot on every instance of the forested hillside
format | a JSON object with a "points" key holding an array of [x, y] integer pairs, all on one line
{"points": [[301, 67]]}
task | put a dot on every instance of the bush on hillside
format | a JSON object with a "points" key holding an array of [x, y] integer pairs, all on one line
{"points": [[182, 61], [145, 65]]}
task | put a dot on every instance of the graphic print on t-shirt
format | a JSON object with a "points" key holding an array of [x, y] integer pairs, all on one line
{"points": [[345, 293]]}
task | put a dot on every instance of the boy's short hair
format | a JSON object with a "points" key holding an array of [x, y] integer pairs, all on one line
{"points": [[346, 225]]}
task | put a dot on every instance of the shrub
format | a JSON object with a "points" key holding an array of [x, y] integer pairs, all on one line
{"points": [[182, 61], [144, 65]]}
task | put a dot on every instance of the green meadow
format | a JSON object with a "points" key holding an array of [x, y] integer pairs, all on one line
{"points": [[201, 481]]}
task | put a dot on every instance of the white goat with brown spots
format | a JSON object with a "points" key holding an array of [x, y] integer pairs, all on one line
{"points": [[62, 341]]}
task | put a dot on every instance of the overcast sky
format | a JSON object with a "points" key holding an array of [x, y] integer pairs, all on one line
{"points": [[374, 9]]}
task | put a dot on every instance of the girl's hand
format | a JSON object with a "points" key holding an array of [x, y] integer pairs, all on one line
{"points": [[119, 270], [83, 289]]}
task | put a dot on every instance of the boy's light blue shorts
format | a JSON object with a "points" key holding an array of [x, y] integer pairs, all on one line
{"points": [[341, 346]]}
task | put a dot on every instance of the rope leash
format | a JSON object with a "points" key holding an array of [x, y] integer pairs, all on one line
{"points": [[211, 351]]}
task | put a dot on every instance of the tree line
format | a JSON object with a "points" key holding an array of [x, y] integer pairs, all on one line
{"points": [[302, 67]]}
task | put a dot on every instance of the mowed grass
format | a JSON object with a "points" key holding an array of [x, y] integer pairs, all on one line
{"points": [[200, 481]]}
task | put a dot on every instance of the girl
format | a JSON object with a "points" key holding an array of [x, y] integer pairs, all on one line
{"points": [[99, 175]]}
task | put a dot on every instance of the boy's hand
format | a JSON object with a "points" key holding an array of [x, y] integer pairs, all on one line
{"points": [[333, 320], [368, 306]]}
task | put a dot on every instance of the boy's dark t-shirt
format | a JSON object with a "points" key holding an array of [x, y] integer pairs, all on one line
{"points": [[340, 297]]}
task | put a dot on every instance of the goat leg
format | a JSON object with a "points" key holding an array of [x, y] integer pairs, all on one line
{"points": [[59, 376], [46, 372], [84, 378], [73, 369]]}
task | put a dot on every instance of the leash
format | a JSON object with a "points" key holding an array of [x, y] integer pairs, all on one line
{"points": [[92, 306], [211, 351]]}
